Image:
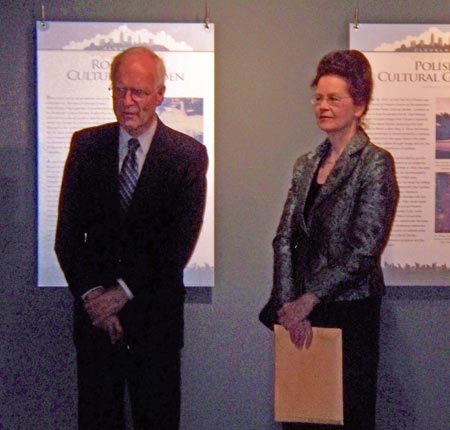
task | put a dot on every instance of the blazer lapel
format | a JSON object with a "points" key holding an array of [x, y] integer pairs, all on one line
{"points": [[343, 167], [304, 178], [341, 171]]}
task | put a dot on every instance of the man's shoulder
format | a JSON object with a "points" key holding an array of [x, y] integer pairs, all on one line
{"points": [[179, 148], [98, 132], [177, 140]]}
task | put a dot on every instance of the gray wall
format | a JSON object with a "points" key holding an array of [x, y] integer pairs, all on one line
{"points": [[266, 52]]}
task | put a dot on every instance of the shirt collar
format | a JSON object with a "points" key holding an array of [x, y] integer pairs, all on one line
{"points": [[145, 139]]}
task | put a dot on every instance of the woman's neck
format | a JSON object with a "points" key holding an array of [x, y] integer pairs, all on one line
{"points": [[338, 144], [340, 139]]}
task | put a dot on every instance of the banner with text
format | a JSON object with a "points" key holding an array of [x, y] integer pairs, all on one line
{"points": [[410, 116], [73, 62]]}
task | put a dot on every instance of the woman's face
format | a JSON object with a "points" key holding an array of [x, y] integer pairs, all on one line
{"points": [[335, 110]]}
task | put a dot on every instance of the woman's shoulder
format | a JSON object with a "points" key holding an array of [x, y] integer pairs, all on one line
{"points": [[362, 142], [377, 152]]}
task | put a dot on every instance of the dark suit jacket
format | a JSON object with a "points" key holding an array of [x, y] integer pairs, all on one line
{"points": [[336, 252], [149, 247]]}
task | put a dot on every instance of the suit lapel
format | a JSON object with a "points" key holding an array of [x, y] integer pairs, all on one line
{"points": [[106, 165], [149, 179], [111, 154], [154, 155]]}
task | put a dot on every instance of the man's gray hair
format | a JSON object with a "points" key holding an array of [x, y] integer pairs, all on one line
{"points": [[159, 63]]}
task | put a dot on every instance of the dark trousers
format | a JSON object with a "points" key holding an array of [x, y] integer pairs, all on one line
{"points": [[153, 381], [360, 324]]}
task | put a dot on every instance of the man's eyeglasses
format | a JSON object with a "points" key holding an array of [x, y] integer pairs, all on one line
{"points": [[331, 100], [135, 93]]}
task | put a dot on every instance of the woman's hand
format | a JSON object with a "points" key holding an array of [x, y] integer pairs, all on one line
{"points": [[302, 334], [293, 313]]}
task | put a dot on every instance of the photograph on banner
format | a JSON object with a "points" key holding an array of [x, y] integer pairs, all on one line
{"points": [[410, 117], [73, 68]]}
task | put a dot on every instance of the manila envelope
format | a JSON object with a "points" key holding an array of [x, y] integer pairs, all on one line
{"points": [[308, 382]]}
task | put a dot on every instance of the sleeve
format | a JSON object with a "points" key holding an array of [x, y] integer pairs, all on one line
{"points": [[283, 289], [70, 242]]}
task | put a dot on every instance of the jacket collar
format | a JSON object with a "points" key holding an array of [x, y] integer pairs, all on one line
{"points": [[358, 142], [342, 169]]}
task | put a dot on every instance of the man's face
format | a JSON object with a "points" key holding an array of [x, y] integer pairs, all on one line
{"points": [[135, 96]]}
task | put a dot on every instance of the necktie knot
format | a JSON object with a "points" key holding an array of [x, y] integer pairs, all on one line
{"points": [[133, 145]]}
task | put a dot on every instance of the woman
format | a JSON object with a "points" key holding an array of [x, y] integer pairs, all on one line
{"points": [[333, 229]]}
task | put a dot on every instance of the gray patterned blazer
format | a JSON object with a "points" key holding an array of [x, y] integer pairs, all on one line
{"points": [[336, 252]]}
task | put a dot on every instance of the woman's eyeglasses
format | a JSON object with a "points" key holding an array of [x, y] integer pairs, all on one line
{"points": [[331, 100]]}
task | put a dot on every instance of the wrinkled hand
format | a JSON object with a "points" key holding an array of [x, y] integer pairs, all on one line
{"points": [[105, 305], [302, 335], [293, 313], [114, 328]]}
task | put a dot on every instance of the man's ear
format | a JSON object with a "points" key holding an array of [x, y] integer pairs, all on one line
{"points": [[160, 94]]}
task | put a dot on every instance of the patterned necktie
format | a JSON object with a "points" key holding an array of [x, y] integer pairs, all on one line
{"points": [[128, 174]]}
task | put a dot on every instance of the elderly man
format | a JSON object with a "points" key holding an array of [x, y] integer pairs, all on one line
{"points": [[130, 212]]}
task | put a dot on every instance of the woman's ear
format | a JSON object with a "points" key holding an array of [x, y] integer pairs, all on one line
{"points": [[360, 110]]}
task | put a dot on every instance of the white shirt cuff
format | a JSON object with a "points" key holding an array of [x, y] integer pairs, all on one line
{"points": [[125, 288], [83, 297]]}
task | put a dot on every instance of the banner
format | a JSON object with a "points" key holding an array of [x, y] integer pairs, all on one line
{"points": [[73, 64], [410, 116]]}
